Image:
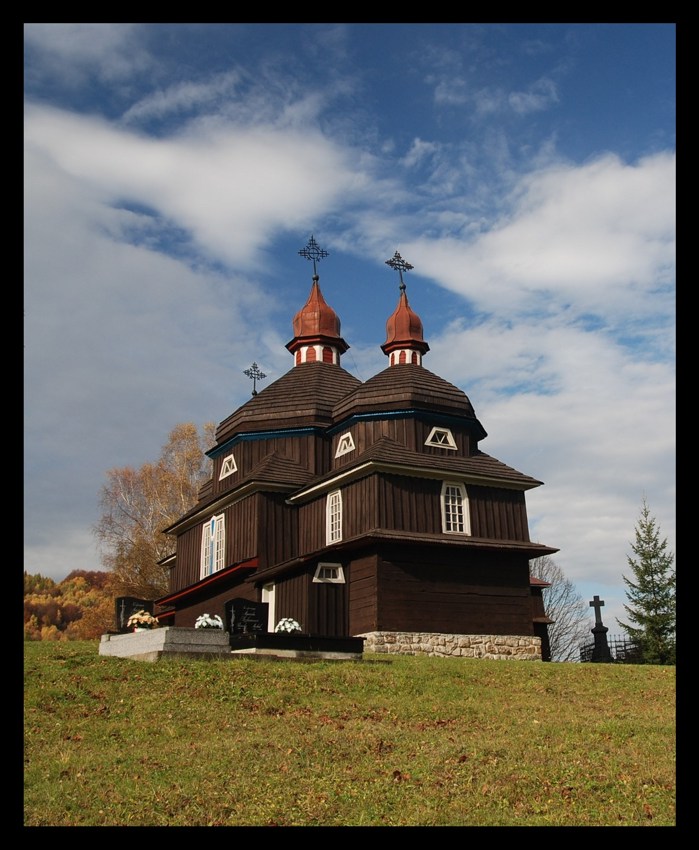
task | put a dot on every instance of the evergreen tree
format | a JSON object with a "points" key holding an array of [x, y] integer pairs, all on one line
{"points": [[651, 594]]}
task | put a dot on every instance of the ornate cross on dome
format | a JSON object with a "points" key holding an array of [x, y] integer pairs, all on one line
{"points": [[256, 375], [397, 262], [313, 252]]}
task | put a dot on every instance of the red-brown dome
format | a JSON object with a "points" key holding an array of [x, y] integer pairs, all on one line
{"points": [[316, 323], [316, 317], [404, 329]]}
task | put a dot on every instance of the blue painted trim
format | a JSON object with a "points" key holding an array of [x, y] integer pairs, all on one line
{"points": [[435, 418], [253, 436]]}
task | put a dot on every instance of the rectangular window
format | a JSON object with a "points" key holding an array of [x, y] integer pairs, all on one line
{"points": [[455, 514], [333, 517], [213, 546]]}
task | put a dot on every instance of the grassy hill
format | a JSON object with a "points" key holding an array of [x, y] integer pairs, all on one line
{"points": [[404, 741]]}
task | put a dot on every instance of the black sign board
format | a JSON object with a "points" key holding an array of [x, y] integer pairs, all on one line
{"points": [[125, 606], [245, 617]]}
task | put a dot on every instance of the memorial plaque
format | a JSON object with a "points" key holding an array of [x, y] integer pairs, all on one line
{"points": [[125, 606], [245, 617]]}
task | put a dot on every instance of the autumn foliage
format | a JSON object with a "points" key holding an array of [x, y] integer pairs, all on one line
{"points": [[81, 607], [138, 503]]}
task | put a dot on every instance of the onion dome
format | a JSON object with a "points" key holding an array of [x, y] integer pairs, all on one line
{"points": [[404, 340], [316, 325]]}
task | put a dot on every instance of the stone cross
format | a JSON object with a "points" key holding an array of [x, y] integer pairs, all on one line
{"points": [[597, 603]]}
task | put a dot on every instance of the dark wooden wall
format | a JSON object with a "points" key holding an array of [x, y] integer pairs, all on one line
{"points": [[241, 542], [362, 583], [421, 589], [311, 451], [187, 614], [409, 432]]}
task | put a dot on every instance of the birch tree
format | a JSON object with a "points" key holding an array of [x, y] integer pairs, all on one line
{"points": [[137, 504]]}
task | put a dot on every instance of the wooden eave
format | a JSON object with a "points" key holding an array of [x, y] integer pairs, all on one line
{"points": [[215, 578], [388, 457], [273, 474], [377, 535]]}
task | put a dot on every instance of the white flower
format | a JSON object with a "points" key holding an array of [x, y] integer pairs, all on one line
{"points": [[208, 622], [288, 626]]}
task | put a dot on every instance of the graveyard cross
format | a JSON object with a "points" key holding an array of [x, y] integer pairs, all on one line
{"points": [[597, 603]]}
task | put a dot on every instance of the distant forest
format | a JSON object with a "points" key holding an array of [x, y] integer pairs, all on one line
{"points": [[80, 607]]}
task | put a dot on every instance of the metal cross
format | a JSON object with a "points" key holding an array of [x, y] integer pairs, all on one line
{"points": [[397, 262], [597, 603], [313, 252], [254, 373]]}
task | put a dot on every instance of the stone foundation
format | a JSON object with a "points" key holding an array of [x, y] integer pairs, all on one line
{"points": [[497, 647]]}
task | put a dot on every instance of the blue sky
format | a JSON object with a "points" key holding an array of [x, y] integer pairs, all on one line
{"points": [[526, 171]]}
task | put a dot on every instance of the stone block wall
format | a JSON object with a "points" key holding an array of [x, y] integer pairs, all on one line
{"points": [[497, 647]]}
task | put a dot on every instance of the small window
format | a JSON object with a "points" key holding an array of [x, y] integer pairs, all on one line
{"points": [[228, 467], [344, 445], [213, 546], [333, 517], [329, 574], [455, 513], [441, 437]]}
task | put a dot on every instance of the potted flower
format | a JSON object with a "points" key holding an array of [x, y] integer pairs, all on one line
{"points": [[141, 621], [206, 621], [288, 626]]}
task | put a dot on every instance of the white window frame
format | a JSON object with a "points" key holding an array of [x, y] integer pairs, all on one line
{"points": [[338, 576], [441, 438], [213, 546], [345, 445], [456, 517], [228, 467], [268, 597], [333, 517]]}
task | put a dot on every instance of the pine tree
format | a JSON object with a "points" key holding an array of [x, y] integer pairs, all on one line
{"points": [[651, 594]]}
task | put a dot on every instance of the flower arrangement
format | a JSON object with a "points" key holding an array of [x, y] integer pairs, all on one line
{"points": [[288, 626], [142, 620], [206, 621]]}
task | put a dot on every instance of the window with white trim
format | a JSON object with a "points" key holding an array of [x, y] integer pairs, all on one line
{"points": [[441, 437], [228, 467], [329, 574], [333, 517], [344, 445], [213, 546], [455, 513]]}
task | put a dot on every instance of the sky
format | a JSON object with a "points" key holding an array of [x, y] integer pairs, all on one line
{"points": [[173, 172]]}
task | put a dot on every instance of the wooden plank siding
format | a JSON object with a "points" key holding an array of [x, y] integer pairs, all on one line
{"points": [[291, 599], [422, 590], [311, 451], [409, 432], [277, 530], [498, 513], [241, 542], [362, 594], [328, 608], [215, 603]]}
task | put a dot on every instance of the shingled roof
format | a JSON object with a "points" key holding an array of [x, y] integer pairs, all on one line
{"points": [[410, 387], [302, 398], [388, 456]]}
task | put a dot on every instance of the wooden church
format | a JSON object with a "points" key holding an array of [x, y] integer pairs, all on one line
{"points": [[360, 508]]}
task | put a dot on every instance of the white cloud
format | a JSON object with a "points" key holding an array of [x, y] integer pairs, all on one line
{"points": [[72, 53], [231, 189], [591, 238]]}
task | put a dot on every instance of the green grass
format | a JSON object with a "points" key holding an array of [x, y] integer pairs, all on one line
{"points": [[402, 742]]}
